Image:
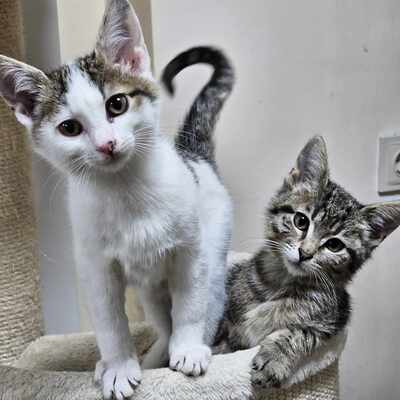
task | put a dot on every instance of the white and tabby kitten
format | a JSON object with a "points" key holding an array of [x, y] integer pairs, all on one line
{"points": [[144, 211]]}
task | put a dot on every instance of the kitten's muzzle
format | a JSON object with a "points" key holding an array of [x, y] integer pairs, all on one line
{"points": [[107, 148]]}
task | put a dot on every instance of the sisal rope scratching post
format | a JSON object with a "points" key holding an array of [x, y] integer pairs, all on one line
{"points": [[20, 310]]}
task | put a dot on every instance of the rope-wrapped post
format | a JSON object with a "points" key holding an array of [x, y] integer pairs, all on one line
{"points": [[20, 310]]}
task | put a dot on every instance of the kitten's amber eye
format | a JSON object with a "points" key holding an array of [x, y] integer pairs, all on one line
{"points": [[117, 105], [301, 221], [70, 128], [334, 245]]}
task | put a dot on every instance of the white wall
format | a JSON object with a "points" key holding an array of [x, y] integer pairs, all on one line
{"points": [[306, 67]]}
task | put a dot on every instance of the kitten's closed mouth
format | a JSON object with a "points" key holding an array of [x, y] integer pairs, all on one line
{"points": [[295, 267], [297, 264], [112, 163]]}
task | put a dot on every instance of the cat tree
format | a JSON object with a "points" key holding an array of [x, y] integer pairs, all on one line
{"points": [[57, 367]]}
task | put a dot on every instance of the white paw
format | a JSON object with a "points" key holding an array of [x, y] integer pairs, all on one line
{"points": [[118, 378], [190, 360], [157, 357]]}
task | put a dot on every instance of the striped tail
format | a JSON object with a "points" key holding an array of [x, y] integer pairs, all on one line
{"points": [[195, 137]]}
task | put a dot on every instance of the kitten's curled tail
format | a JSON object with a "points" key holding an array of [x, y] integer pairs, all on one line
{"points": [[195, 137]]}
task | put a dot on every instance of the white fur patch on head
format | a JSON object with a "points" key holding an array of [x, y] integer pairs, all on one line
{"points": [[84, 101]]}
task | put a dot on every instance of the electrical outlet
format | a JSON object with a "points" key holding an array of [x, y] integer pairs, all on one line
{"points": [[389, 164]]}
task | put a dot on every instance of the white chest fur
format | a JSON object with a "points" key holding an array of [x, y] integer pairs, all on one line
{"points": [[140, 240]]}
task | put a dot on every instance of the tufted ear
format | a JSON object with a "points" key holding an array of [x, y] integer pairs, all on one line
{"points": [[311, 165], [121, 39], [382, 218], [20, 86]]}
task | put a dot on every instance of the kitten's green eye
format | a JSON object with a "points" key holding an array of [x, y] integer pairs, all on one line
{"points": [[117, 105], [334, 245], [301, 221], [70, 128]]}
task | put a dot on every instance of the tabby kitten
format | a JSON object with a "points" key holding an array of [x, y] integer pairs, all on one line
{"points": [[145, 211], [291, 296]]}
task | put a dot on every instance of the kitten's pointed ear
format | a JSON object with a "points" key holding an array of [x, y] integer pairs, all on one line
{"points": [[121, 39], [382, 218], [20, 86], [312, 164]]}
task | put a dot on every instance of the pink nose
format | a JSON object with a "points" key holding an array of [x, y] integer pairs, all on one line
{"points": [[107, 148]]}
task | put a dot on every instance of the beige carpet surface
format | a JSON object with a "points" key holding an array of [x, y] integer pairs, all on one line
{"points": [[53, 367]]}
